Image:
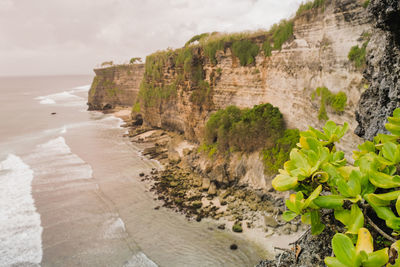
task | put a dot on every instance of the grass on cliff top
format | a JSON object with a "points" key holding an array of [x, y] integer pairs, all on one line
{"points": [[309, 5]]}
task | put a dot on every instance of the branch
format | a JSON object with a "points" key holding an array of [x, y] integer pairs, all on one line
{"points": [[379, 230]]}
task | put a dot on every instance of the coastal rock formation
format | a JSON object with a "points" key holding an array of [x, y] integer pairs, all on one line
{"points": [[115, 86], [383, 70], [315, 56]]}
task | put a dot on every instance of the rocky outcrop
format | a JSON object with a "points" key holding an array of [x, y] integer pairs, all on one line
{"points": [[383, 70], [115, 86], [316, 56]]}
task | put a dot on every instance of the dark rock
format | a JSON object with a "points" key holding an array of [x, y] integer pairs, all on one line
{"points": [[141, 174], [157, 208], [221, 226], [233, 247], [53, 113], [383, 70]]}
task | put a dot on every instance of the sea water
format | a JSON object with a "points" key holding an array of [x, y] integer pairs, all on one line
{"points": [[70, 192]]}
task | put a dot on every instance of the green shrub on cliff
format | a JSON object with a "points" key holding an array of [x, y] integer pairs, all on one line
{"points": [[211, 47], [357, 55], [337, 101], [277, 35], [281, 33], [233, 129], [246, 51], [276, 156]]}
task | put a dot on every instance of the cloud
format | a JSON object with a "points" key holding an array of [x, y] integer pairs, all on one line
{"points": [[61, 37]]}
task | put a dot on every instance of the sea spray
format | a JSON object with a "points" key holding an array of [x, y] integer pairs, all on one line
{"points": [[20, 235]]}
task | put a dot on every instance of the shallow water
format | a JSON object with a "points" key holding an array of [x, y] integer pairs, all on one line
{"points": [[70, 192]]}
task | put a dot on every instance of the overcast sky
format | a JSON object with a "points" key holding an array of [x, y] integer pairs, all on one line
{"points": [[73, 36]]}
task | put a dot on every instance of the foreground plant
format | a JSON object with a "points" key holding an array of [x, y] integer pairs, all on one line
{"points": [[323, 180]]}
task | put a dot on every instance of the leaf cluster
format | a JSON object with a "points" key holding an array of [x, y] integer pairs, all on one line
{"points": [[323, 180]]}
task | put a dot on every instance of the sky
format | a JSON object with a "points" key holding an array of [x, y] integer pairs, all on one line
{"points": [[53, 37]]}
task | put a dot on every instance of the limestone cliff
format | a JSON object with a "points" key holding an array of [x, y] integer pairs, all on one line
{"points": [[315, 56], [383, 69], [115, 86]]}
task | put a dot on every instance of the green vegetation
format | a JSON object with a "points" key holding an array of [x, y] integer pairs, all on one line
{"points": [[275, 156], [246, 51], [337, 101], [310, 5], [211, 47], [368, 191], [136, 108], [155, 87], [366, 3], [198, 38], [237, 227], [135, 60], [357, 55], [233, 129], [277, 35], [107, 63]]}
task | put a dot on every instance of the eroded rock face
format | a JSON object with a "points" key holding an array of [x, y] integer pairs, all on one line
{"points": [[315, 57], [115, 86], [383, 70]]}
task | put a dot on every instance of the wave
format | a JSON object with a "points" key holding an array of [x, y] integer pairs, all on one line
{"points": [[66, 98], [54, 162], [82, 88], [140, 260], [114, 228], [21, 231]]}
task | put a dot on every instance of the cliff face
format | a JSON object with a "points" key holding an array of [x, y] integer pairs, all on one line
{"points": [[315, 56], [383, 69], [115, 86]]}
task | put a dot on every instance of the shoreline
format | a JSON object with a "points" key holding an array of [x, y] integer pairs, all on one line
{"points": [[261, 227]]}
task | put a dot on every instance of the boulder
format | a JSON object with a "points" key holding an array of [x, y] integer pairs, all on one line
{"points": [[270, 221], [212, 190]]}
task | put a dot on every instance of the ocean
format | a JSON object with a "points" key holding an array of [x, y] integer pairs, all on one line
{"points": [[70, 192]]}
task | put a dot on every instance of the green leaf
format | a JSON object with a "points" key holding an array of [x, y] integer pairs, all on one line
{"points": [[313, 196], [289, 215], [344, 250], [398, 205], [334, 262], [356, 220], [377, 258], [306, 218], [393, 128], [284, 182], [389, 151], [383, 180], [329, 201], [316, 226], [382, 200]]}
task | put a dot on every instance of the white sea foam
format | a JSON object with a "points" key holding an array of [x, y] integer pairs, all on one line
{"points": [[66, 98], [114, 228], [54, 162], [140, 260], [63, 129], [82, 88], [47, 101], [20, 235]]}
